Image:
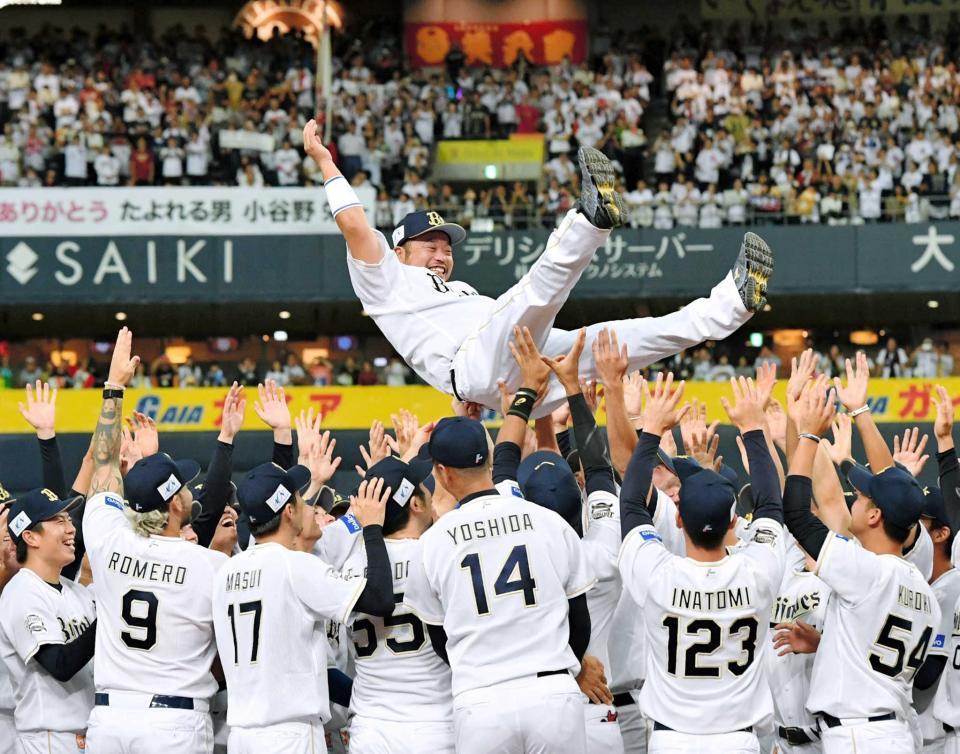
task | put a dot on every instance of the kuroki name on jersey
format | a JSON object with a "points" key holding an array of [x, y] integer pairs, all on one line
{"points": [[237, 582], [914, 600], [787, 609], [73, 627], [490, 527], [146, 570], [722, 599]]}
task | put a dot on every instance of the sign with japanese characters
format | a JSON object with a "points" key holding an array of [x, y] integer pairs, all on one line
{"points": [[169, 211], [495, 44]]}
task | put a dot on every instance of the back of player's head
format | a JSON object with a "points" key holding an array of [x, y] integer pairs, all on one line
{"points": [[707, 503], [406, 482], [151, 482], [266, 490], [935, 513], [547, 480], [897, 495], [457, 443]]}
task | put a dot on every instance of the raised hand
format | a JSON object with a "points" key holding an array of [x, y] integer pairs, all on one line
{"points": [[145, 433], [129, 451], [370, 503], [379, 448], [308, 433], [560, 418], [321, 461], [40, 410], [814, 411], [122, 365], [421, 437], [767, 379], [703, 447], [695, 422], [943, 424], [610, 359], [271, 405], [841, 448], [661, 412], [854, 395], [405, 426], [747, 410], [466, 408], [633, 396], [567, 366], [534, 373], [909, 450], [313, 144], [776, 423], [801, 370]]}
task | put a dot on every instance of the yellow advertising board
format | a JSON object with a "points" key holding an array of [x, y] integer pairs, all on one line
{"points": [[525, 149], [199, 409]]}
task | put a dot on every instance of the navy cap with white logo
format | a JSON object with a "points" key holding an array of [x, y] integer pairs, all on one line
{"points": [[403, 479], [457, 442], [417, 223], [267, 488], [934, 507], [152, 482], [707, 501], [34, 508], [894, 491]]}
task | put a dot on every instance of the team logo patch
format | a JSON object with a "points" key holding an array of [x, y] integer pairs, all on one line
{"points": [[34, 624], [169, 488], [765, 536], [402, 496], [601, 510], [515, 490], [350, 521], [648, 535], [940, 642], [397, 235], [21, 522], [4, 495], [434, 219], [113, 502], [279, 498]]}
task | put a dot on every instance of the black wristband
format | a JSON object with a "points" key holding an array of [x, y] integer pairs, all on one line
{"points": [[522, 405], [112, 393]]}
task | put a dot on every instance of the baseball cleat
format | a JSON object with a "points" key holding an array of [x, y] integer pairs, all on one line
{"points": [[752, 271], [599, 201]]}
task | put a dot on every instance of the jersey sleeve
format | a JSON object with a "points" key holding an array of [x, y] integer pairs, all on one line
{"points": [[602, 533], [847, 568], [921, 552], [580, 576], [665, 521], [30, 621], [509, 488], [641, 555], [103, 515], [419, 594], [767, 547], [375, 284], [321, 589], [337, 542]]}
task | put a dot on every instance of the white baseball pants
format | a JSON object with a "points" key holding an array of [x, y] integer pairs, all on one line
{"points": [[535, 300], [8, 732], [935, 747], [129, 730], [951, 743], [634, 728], [812, 748], [674, 742], [45, 742], [285, 738], [888, 736], [529, 716], [602, 729], [370, 736]]}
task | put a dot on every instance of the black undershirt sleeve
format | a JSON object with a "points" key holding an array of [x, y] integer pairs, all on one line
{"points": [[340, 686], [810, 531], [64, 661], [634, 510], [506, 461], [579, 619], [283, 455], [51, 466], [377, 596], [929, 672], [764, 481], [949, 470], [438, 638], [597, 468], [216, 493]]}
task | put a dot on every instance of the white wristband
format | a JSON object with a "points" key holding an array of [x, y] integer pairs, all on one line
{"points": [[340, 195], [862, 410]]}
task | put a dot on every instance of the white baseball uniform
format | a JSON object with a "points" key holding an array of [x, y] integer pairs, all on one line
{"points": [[155, 646], [802, 596], [946, 589], [921, 553], [49, 716], [627, 671], [440, 328], [946, 706], [270, 606], [496, 573], [880, 622], [704, 624], [8, 731], [401, 701]]}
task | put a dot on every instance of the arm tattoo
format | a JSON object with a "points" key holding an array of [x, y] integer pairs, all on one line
{"points": [[106, 448]]}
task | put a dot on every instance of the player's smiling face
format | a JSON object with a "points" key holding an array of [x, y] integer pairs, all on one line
{"points": [[431, 250], [55, 540]]}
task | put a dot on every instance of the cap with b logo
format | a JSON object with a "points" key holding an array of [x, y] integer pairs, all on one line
{"points": [[457, 442], [417, 223], [36, 507], [267, 488], [152, 482]]}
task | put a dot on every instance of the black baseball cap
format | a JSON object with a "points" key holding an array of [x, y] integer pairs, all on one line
{"points": [[457, 442], [267, 488], [35, 507], [933, 506], [417, 223], [707, 499], [664, 459], [403, 479], [153, 481], [894, 491], [546, 479]]}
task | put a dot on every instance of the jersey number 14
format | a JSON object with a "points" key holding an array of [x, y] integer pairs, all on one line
{"points": [[516, 562]]}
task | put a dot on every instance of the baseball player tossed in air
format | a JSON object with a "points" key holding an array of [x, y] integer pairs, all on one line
{"points": [[47, 630], [882, 614], [155, 646], [506, 581], [270, 606], [706, 616], [456, 339], [401, 700]]}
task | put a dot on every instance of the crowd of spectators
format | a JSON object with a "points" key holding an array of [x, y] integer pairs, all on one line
{"points": [[711, 362], [854, 124]]}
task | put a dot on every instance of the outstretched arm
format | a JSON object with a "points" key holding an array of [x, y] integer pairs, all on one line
{"points": [[106, 437], [348, 213]]}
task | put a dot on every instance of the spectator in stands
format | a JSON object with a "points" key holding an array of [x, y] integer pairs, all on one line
{"points": [[276, 373], [248, 174], [30, 373], [293, 371], [722, 371], [368, 375], [348, 373], [75, 162], [247, 372], [321, 372], [162, 372], [107, 167], [767, 356], [198, 159], [215, 376], [396, 373], [142, 168], [892, 360], [189, 374]]}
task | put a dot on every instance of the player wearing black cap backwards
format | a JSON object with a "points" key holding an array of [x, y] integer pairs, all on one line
{"points": [[506, 580], [155, 644], [47, 629], [882, 614], [270, 604], [706, 615]]}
